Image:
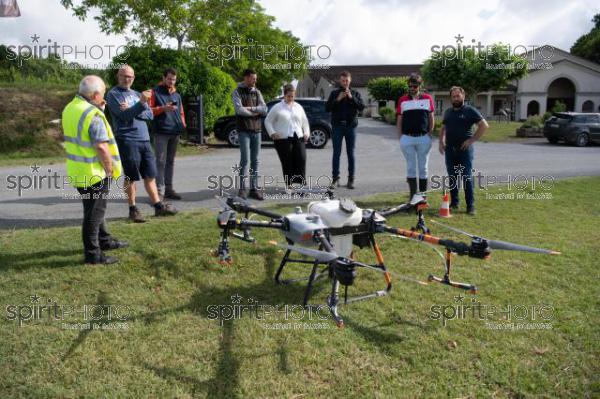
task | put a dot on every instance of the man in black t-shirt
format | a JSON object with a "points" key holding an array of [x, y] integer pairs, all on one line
{"points": [[456, 141]]}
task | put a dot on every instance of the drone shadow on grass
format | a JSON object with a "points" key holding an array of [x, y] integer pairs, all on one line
{"points": [[42, 259], [226, 381], [84, 333]]}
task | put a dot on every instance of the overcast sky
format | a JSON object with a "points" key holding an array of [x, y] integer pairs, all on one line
{"points": [[357, 31]]}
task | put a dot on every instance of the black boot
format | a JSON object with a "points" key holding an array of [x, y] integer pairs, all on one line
{"points": [[412, 186], [350, 184], [422, 185], [335, 182]]}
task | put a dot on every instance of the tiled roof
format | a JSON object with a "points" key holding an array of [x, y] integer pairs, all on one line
{"points": [[361, 74]]}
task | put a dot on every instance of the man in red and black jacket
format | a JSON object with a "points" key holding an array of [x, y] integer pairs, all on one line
{"points": [[168, 124]]}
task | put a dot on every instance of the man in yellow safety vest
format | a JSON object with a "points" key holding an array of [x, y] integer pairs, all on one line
{"points": [[92, 161]]}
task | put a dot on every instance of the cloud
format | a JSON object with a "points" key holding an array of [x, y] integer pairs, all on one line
{"points": [[357, 31], [396, 32], [53, 23]]}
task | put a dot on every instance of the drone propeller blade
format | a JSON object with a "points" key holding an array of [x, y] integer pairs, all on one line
{"points": [[321, 256], [453, 228], [234, 198], [223, 203], [502, 245], [418, 197], [509, 246], [240, 200], [306, 190]]}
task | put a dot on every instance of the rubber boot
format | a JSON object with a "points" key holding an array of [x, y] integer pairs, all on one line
{"points": [[412, 186], [350, 184], [422, 185]]}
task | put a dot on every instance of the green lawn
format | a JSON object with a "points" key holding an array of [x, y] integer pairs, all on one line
{"points": [[498, 131], [501, 131], [391, 347]]}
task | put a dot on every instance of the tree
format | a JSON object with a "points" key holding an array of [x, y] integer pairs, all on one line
{"points": [[194, 77], [150, 19], [200, 24], [588, 45], [387, 88], [475, 71]]}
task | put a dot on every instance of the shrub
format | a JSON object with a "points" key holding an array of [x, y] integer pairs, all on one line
{"points": [[535, 121], [387, 114], [559, 106], [387, 88]]}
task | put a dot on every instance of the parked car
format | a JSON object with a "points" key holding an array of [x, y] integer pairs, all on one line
{"points": [[573, 127], [318, 118]]}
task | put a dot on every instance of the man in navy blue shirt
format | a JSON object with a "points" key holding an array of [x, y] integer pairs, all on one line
{"points": [[456, 141], [130, 112]]}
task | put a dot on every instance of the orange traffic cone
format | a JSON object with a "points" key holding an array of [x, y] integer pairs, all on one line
{"points": [[445, 208]]}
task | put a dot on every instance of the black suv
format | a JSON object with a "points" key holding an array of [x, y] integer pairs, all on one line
{"points": [[318, 118], [572, 127]]}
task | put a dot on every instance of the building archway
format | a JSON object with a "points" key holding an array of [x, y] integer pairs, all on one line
{"points": [[588, 106], [533, 108], [561, 89]]}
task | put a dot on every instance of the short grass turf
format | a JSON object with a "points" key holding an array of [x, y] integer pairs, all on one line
{"points": [[392, 347]]}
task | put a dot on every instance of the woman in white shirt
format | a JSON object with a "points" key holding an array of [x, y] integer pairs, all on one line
{"points": [[288, 126]]}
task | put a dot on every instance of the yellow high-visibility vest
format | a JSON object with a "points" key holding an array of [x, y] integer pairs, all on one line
{"points": [[83, 164]]}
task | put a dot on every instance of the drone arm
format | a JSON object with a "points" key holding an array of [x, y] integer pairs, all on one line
{"points": [[245, 208], [477, 249], [243, 224], [397, 209], [264, 212]]}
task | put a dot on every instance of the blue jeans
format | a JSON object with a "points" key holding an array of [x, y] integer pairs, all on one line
{"points": [[339, 133], [460, 163], [416, 151], [165, 148], [249, 148]]}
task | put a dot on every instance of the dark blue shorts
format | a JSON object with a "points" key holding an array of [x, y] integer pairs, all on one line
{"points": [[138, 159]]}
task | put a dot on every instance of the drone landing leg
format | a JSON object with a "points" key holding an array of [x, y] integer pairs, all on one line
{"points": [[311, 280], [332, 302], [421, 221], [223, 251], [281, 266], [446, 279], [287, 259], [380, 265]]}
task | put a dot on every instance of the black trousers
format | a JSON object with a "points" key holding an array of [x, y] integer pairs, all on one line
{"points": [[93, 230], [292, 155]]}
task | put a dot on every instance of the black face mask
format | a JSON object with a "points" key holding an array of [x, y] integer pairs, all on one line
{"points": [[457, 104]]}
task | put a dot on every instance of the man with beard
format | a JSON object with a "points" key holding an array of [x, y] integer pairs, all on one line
{"points": [[456, 141], [415, 123]]}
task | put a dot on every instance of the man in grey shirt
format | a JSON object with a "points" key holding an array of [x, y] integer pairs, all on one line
{"points": [[250, 108]]}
